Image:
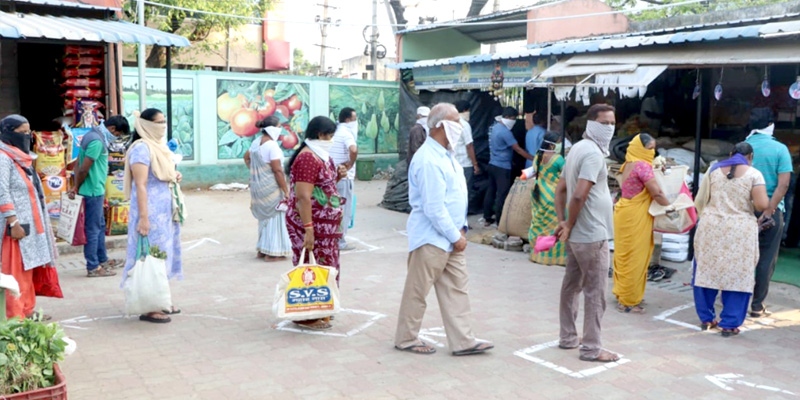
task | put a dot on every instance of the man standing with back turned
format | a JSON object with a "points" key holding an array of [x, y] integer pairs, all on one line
{"points": [[437, 192], [582, 195], [90, 181], [772, 159]]}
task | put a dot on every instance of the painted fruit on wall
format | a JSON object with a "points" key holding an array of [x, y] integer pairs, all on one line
{"points": [[241, 104], [182, 107], [377, 110]]}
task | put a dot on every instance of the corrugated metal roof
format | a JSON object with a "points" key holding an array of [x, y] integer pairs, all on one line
{"points": [[61, 3], [500, 15], [28, 26], [522, 53]]}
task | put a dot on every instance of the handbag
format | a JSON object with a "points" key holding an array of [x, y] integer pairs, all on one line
{"points": [[307, 291], [72, 222], [679, 220], [45, 282], [147, 287]]}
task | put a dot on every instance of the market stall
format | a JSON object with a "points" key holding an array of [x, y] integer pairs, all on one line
{"points": [[60, 69]]}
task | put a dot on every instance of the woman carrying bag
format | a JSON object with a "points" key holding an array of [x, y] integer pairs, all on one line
{"points": [[152, 183]]}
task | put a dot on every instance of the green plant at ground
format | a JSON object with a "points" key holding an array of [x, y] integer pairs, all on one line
{"points": [[28, 350]]}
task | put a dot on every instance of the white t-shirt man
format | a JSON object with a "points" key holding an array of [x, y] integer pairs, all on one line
{"points": [[340, 150], [461, 149]]}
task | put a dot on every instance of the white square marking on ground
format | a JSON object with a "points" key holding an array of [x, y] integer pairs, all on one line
{"points": [[527, 354], [288, 326]]}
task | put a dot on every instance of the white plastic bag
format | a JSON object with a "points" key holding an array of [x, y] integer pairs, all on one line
{"points": [[147, 287], [307, 291]]}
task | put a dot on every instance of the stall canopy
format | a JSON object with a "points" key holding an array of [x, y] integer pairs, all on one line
{"points": [[33, 26], [629, 80]]}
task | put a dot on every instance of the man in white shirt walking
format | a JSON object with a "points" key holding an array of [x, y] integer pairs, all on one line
{"points": [[465, 151], [344, 152]]}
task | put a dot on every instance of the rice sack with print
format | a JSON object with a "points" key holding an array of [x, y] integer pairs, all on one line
{"points": [[51, 167]]}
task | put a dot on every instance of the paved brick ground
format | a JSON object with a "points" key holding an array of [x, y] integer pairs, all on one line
{"points": [[225, 345]]}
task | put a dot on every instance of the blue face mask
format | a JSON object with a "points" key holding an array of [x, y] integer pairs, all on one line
{"points": [[108, 137]]}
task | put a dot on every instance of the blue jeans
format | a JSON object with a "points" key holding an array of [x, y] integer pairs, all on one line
{"points": [[95, 248]]}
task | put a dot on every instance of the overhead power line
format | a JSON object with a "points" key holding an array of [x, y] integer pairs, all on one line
{"points": [[437, 25]]}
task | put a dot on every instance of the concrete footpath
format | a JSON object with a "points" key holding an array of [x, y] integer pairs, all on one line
{"points": [[227, 344]]}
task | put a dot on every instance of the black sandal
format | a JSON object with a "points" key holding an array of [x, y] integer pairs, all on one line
{"points": [[149, 318], [707, 326], [730, 332], [479, 348]]}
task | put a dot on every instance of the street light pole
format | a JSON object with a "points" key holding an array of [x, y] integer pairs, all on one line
{"points": [[374, 41], [141, 63]]}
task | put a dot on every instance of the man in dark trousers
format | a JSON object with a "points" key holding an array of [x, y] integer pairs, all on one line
{"points": [[90, 181], [772, 159], [502, 146]]}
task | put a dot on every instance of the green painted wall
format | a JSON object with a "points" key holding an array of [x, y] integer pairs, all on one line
{"points": [[199, 125], [438, 44]]}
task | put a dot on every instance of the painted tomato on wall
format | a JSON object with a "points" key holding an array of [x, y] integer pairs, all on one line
{"points": [[241, 104]]}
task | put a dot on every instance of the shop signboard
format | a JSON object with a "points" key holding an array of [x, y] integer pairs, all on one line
{"points": [[513, 72]]}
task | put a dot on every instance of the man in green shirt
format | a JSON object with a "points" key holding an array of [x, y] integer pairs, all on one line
{"points": [[772, 159], [90, 179]]}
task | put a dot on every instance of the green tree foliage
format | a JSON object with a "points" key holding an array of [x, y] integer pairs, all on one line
{"points": [[196, 26], [688, 9], [301, 66]]}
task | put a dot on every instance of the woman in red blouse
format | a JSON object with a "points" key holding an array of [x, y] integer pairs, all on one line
{"points": [[315, 208]]}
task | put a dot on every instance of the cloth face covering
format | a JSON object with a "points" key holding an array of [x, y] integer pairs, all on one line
{"points": [[769, 131], [352, 126], [320, 147], [637, 152], [453, 131], [600, 134], [509, 123], [19, 140], [274, 132]]}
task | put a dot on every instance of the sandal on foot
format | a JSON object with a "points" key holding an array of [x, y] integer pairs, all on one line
{"points": [[421, 348], [271, 259], [638, 309], [172, 311], [730, 332], [100, 272], [758, 314], [603, 357], [316, 325], [562, 347], [153, 319], [707, 326], [479, 348]]}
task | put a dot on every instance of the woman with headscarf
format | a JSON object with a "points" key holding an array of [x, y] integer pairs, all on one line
{"points": [[268, 189], [726, 242], [28, 246], [633, 224], [315, 208], [157, 210], [544, 220]]}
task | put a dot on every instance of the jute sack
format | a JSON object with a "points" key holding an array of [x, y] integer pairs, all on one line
{"points": [[516, 218]]}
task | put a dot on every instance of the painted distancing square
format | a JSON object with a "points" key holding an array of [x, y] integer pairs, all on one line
{"points": [[365, 320], [529, 355]]}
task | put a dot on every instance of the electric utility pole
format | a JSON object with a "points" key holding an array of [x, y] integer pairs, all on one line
{"points": [[374, 41]]}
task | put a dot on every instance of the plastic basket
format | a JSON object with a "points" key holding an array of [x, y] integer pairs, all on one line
{"points": [[56, 392]]}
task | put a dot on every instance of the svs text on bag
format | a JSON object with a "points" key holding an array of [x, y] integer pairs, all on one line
{"points": [[307, 291]]}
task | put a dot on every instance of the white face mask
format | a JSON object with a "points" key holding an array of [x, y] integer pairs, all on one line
{"points": [[509, 123], [452, 131], [320, 147], [274, 132], [600, 134], [352, 126]]}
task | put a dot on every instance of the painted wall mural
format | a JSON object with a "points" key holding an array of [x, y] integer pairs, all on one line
{"points": [[182, 106], [377, 109], [241, 103]]}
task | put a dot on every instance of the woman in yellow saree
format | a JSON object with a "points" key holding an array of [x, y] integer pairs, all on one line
{"points": [[544, 220], [633, 225]]}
